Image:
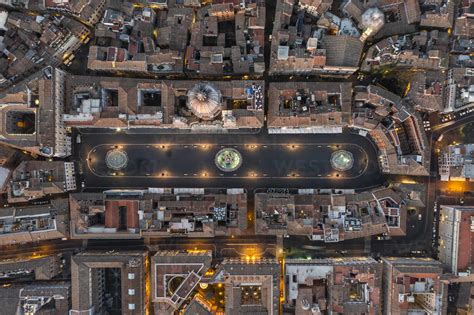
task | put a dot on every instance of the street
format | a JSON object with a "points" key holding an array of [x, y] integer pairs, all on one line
{"points": [[221, 246]]}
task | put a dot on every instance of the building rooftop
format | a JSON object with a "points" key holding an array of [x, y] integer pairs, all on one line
{"points": [[309, 107], [426, 50], [331, 217], [396, 129], [37, 298], [311, 38], [413, 284], [30, 223], [427, 91], [31, 112], [38, 267], [106, 268], [342, 51], [37, 179], [207, 39], [137, 39], [111, 102], [456, 231], [459, 89], [191, 281], [33, 41], [385, 18], [346, 285], [251, 286], [165, 214], [227, 38], [437, 14], [456, 162], [88, 11], [465, 300], [168, 292]]}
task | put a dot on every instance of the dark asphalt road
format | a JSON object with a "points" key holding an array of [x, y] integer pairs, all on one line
{"points": [[184, 162], [307, 161], [221, 246]]}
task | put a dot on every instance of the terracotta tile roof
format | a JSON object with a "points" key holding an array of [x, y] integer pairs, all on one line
{"points": [[112, 213]]}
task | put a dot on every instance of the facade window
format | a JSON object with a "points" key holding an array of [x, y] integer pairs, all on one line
{"points": [[131, 276], [131, 291], [131, 306]]}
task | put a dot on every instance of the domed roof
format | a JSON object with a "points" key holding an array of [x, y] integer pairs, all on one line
{"points": [[204, 101], [373, 18]]}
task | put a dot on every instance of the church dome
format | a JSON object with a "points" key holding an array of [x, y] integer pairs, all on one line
{"points": [[204, 101]]}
